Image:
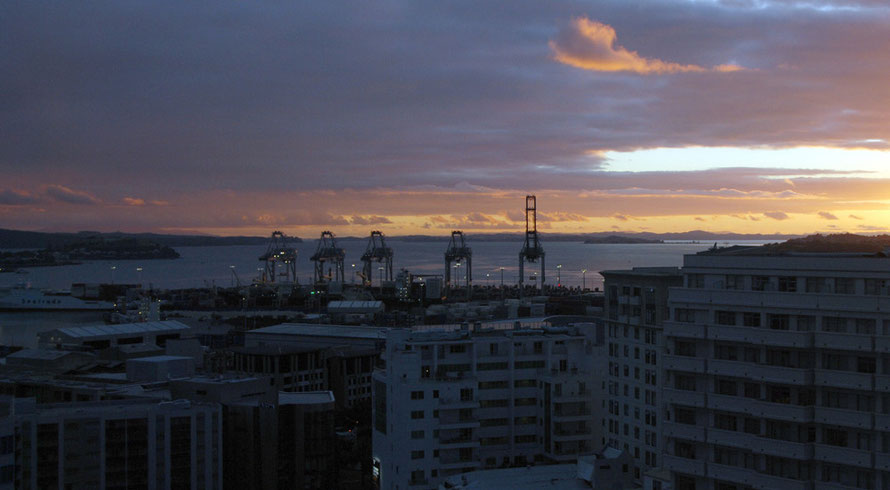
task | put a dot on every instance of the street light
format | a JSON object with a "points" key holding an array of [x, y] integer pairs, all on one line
{"points": [[113, 268], [558, 276], [502, 278], [583, 279], [353, 273], [139, 270]]}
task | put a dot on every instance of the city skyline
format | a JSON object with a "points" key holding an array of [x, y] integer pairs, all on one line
{"points": [[743, 116]]}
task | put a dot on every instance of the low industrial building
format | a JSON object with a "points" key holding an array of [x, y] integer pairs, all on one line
{"points": [[99, 337]]}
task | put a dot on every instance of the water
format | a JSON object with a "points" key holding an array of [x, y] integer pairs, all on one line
{"points": [[204, 266]]}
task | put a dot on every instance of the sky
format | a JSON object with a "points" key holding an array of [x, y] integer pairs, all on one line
{"points": [[416, 117]]}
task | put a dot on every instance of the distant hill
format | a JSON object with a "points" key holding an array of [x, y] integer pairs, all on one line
{"points": [[647, 237], [837, 243], [34, 239], [618, 239]]}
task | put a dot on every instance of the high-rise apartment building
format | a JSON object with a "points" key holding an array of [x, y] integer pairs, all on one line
{"points": [[778, 373], [635, 309], [451, 402]]}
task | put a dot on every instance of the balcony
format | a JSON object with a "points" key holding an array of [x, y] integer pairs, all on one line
{"points": [[682, 397], [754, 479], [684, 431], [683, 465], [759, 335], [784, 449], [882, 422], [684, 363], [760, 372], [684, 330], [882, 383], [882, 461], [445, 465], [843, 379], [570, 397], [458, 443], [457, 403], [466, 423], [842, 455], [733, 438], [761, 408], [844, 341], [882, 344], [846, 418]]}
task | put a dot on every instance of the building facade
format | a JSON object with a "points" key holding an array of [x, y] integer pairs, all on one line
{"points": [[118, 444], [778, 373], [451, 402], [636, 307]]}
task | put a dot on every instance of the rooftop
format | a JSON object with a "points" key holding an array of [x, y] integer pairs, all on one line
{"points": [[305, 397], [315, 330], [44, 354], [646, 271], [90, 331]]}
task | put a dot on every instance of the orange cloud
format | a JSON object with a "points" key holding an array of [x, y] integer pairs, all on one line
{"points": [[134, 201], [590, 45]]}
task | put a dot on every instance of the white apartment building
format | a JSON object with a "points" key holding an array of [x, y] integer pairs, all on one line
{"points": [[778, 373], [452, 402], [635, 308]]}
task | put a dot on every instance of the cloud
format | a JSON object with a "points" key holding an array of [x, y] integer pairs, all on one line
{"points": [[134, 201], [699, 218], [369, 220], [826, 215], [853, 216], [620, 217], [14, 197], [70, 196], [776, 215], [590, 45]]}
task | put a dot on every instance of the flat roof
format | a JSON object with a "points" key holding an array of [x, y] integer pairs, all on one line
{"points": [[44, 354], [645, 271], [305, 397], [159, 359], [316, 330], [90, 331], [561, 476]]}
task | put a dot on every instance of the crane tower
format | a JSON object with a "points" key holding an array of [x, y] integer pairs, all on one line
{"points": [[459, 251], [378, 252], [328, 253], [532, 249]]}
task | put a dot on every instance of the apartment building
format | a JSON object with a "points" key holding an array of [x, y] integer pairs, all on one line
{"points": [[116, 444], [778, 371], [635, 308], [452, 402]]}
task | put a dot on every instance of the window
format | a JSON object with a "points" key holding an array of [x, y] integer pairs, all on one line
{"points": [[725, 318], [684, 315], [778, 322], [417, 395], [695, 281], [685, 415], [725, 387], [417, 414], [760, 283], [417, 454], [788, 284], [845, 285], [466, 394], [735, 281], [834, 324], [684, 382], [817, 285], [751, 319], [725, 421], [417, 434]]}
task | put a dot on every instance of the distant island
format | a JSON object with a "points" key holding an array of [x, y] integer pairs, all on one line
{"points": [[619, 240], [34, 239], [73, 251]]}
